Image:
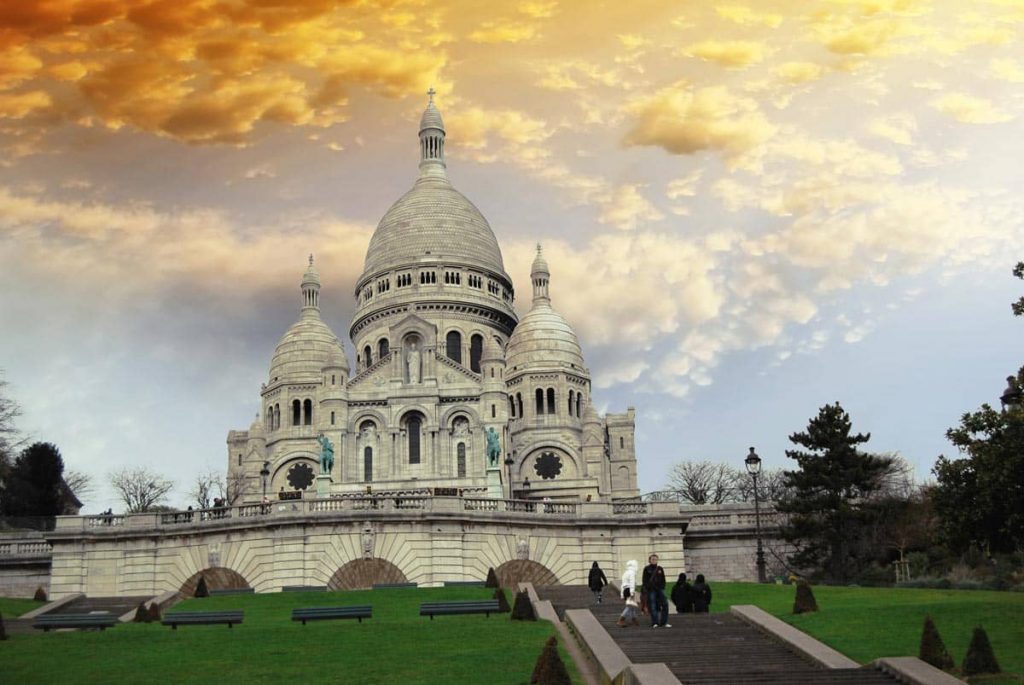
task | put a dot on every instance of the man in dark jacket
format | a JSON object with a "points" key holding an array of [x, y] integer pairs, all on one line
{"points": [[701, 595], [682, 595], [654, 589], [597, 581]]}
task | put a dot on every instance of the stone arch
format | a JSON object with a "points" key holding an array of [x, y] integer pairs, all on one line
{"points": [[279, 476], [516, 571], [570, 460], [425, 415], [450, 414], [362, 574], [359, 417], [217, 578]]}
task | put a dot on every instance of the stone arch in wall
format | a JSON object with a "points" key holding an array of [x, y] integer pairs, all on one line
{"points": [[362, 574], [217, 578], [511, 573]]}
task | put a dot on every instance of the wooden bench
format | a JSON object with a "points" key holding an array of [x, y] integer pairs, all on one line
{"points": [[101, 620], [202, 618], [304, 588], [328, 613], [465, 583], [389, 586], [232, 591], [469, 606]]}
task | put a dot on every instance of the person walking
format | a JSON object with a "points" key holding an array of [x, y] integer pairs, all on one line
{"points": [[701, 595], [682, 595], [654, 590], [597, 581], [629, 613]]}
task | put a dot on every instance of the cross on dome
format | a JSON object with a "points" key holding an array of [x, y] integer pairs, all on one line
{"points": [[431, 93], [311, 259]]}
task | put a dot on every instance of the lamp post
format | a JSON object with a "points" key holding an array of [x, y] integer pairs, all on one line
{"points": [[1012, 396], [508, 467], [264, 474], [753, 463]]}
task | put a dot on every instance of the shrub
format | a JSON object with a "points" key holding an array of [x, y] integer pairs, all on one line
{"points": [[141, 614], [503, 606], [3, 629], [804, 602], [522, 610], [550, 669], [980, 657], [201, 589], [933, 649], [40, 595], [492, 578], [154, 613]]}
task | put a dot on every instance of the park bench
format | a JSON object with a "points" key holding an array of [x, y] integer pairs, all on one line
{"points": [[101, 620], [232, 591], [202, 618], [390, 586], [328, 613], [468, 606], [464, 583], [304, 588]]}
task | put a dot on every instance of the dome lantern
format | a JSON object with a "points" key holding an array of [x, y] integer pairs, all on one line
{"points": [[540, 276], [311, 290], [432, 139]]}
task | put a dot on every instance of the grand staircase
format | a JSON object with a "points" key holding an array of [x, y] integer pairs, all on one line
{"points": [[707, 649], [115, 605]]}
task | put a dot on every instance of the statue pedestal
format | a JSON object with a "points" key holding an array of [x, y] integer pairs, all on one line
{"points": [[494, 487], [323, 486]]}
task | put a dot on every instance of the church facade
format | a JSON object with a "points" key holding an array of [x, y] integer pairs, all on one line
{"points": [[450, 389]]}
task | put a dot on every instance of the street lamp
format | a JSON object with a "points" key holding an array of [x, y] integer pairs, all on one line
{"points": [[508, 466], [1011, 397], [264, 474], [753, 463]]}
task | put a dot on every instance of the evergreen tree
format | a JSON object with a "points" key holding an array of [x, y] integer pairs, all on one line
{"points": [[492, 578], [503, 606], [522, 610], [40, 595], [34, 485], [980, 657], [826, 495], [550, 669], [3, 629], [804, 602], [933, 649], [154, 613], [201, 589], [141, 614]]}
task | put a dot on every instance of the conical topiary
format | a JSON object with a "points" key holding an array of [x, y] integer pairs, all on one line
{"points": [[3, 629], [40, 595], [980, 657], [503, 606], [550, 669], [804, 602], [201, 589], [154, 613], [522, 610], [933, 649], [492, 579], [141, 614]]}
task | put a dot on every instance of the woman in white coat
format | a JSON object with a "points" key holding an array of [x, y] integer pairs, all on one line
{"points": [[629, 614]]}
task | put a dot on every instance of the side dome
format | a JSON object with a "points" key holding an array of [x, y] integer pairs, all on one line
{"points": [[543, 339], [306, 348]]}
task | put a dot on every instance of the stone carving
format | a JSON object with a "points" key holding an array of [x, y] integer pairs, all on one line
{"points": [[523, 549], [326, 454], [461, 427], [493, 447], [368, 432], [367, 540], [213, 555], [412, 362]]}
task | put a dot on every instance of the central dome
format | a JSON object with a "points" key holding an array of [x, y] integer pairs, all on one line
{"points": [[433, 222]]}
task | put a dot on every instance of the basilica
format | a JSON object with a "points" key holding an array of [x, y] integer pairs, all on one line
{"points": [[450, 390]]}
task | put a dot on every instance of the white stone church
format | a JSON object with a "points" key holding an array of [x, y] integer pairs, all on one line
{"points": [[441, 359]]}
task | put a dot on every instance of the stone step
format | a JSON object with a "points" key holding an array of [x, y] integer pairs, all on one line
{"points": [[115, 605]]}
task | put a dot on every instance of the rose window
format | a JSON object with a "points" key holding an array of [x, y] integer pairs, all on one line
{"points": [[548, 465], [300, 476]]}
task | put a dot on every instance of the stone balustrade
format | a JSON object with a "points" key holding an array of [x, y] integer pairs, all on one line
{"points": [[25, 548]]}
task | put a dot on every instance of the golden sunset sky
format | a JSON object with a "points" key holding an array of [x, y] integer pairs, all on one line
{"points": [[749, 208]]}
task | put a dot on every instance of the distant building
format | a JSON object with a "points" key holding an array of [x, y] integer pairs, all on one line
{"points": [[441, 360]]}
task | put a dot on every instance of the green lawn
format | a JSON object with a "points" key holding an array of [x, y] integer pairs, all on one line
{"points": [[868, 623], [13, 607], [395, 646]]}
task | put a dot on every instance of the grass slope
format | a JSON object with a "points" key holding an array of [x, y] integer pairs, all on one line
{"points": [[13, 607], [395, 646], [868, 623]]}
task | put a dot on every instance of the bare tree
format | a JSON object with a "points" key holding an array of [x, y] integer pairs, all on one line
{"points": [[140, 488], [702, 482], [204, 487], [236, 486], [897, 480], [771, 485], [10, 438], [79, 483]]}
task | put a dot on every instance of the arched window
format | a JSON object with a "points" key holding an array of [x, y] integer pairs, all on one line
{"points": [[270, 418], [307, 412], [622, 443], [461, 459], [277, 416], [332, 418], [368, 356], [453, 346], [296, 412], [512, 407], [494, 410], [383, 347], [413, 428], [239, 459], [571, 398], [540, 402], [551, 400], [367, 463], [579, 404], [519, 403], [476, 350]]}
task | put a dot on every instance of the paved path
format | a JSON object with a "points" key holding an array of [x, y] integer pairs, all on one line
{"points": [[707, 649]]}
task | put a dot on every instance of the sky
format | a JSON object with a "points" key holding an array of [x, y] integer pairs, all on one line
{"points": [[749, 209]]}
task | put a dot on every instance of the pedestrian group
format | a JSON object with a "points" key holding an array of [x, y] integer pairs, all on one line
{"points": [[650, 597]]}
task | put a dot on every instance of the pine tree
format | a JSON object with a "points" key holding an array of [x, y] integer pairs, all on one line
{"points": [[825, 500], [804, 603], [34, 484], [503, 606], [492, 579], [933, 649], [550, 669], [980, 657], [522, 610], [201, 589]]}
